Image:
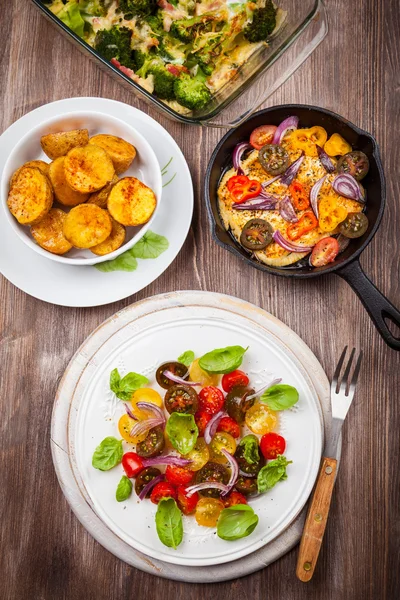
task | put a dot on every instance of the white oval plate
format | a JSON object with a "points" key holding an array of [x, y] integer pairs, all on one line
{"points": [[69, 285], [166, 327]]}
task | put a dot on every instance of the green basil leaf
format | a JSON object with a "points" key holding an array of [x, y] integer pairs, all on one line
{"points": [[186, 358], [182, 432], [124, 489], [273, 472], [71, 16], [108, 454], [280, 396], [151, 245], [236, 522], [115, 378], [222, 360], [250, 451], [124, 262], [124, 388], [169, 523]]}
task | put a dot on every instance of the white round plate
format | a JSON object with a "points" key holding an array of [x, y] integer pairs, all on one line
{"points": [[140, 338], [69, 285]]}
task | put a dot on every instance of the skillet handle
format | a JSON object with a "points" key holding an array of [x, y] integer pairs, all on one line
{"points": [[378, 307]]}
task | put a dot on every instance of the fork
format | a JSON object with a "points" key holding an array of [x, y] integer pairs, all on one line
{"points": [[342, 394]]}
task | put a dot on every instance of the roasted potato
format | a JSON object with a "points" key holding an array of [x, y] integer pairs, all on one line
{"points": [[87, 225], [39, 164], [131, 202], [100, 197], [31, 197], [48, 233], [62, 191], [88, 169], [113, 242], [121, 152], [59, 144]]}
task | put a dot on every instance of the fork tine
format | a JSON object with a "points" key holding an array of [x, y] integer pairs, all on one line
{"points": [[353, 382], [335, 379], [344, 383]]}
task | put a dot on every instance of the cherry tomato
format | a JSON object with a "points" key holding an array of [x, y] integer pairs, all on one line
{"points": [[324, 252], [208, 511], [176, 368], [234, 498], [272, 444], [125, 425], [196, 373], [221, 440], [153, 444], [246, 485], [145, 395], [199, 456], [202, 418], [256, 234], [214, 472], [132, 464], [186, 503], [181, 399], [144, 478], [230, 380], [260, 419], [274, 159], [261, 136], [163, 490], [211, 400], [230, 426], [178, 475], [355, 164], [237, 402], [250, 469], [354, 225]]}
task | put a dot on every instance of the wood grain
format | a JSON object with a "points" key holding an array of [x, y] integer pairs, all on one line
{"points": [[45, 552]]}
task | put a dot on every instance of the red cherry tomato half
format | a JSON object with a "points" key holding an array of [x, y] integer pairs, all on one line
{"points": [[132, 464], [234, 498], [262, 135], [211, 400], [178, 475], [324, 252], [202, 418], [271, 445], [229, 425], [163, 490], [231, 380], [186, 503]]}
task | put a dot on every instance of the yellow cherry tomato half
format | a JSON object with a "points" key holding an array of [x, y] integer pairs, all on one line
{"points": [[208, 511], [222, 440], [200, 455], [196, 373], [125, 425], [145, 395], [260, 419]]}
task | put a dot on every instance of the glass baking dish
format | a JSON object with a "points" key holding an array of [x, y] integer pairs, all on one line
{"points": [[268, 68]]}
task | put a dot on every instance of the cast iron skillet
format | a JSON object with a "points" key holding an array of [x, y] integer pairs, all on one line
{"points": [[347, 264]]}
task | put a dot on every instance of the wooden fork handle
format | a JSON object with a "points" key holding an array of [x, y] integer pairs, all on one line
{"points": [[314, 527]]}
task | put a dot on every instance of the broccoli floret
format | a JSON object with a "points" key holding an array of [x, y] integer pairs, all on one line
{"points": [[185, 29], [115, 43], [94, 8], [263, 24], [163, 82], [191, 92], [137, 7]]}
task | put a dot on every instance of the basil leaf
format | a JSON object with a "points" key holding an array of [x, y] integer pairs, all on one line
{"points": [[124, 262], [124, 388], [222, 360], [186, 358], [124, 489], [108, 454], [236, 522], [151, 245], [250, 450], [273, 472], [169, 523], [280, 396], [182, 432]]}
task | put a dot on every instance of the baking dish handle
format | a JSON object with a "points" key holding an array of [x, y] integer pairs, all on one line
{"points": [[301, 48]]}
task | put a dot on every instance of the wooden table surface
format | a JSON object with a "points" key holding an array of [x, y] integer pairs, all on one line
{"points": [[45, 553]]}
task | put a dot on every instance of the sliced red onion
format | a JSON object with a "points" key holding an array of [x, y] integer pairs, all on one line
{"points": [[288, 124], [291, 172], [217, 485], [234, 470], [145, 426], [326, 162], [259, 203], [262, 390], [156, 410], [180, 380], [149, 486], [130, 413], [243, 474], [345, 185], [279, 239], [170, 459], [287, 211], [237, 156], [267, 183], [314, 194], [212, 425], [343, 242]]}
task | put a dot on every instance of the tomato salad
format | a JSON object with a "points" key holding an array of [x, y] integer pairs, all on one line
{"points": [[205, 449]]}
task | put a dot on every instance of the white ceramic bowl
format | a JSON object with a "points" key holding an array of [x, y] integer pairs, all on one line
{"points": [[145, 167]]}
